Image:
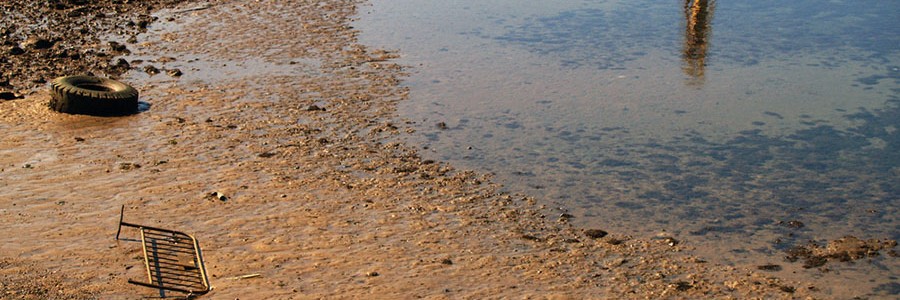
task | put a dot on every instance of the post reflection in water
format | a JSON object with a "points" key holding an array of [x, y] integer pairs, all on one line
{"points": [[698, 15]]}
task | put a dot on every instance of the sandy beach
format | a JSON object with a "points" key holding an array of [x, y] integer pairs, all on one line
{"points": [[275, 144]]}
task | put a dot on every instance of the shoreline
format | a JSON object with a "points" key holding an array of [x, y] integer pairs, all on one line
{"points": [[319, 201]]}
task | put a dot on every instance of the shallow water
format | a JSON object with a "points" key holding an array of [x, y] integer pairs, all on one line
{"points": [[745, 128]]}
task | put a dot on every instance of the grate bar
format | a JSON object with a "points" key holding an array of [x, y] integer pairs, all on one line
{"points": [[173, 259]]}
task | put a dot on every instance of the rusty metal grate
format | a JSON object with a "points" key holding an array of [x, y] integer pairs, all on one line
{"points": [[173, 259]]}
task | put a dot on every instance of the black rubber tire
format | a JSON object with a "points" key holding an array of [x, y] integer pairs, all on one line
{"points": [[90, 95]]}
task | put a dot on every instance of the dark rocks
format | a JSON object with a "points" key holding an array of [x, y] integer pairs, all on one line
{"points": [[42, 41], [769, 267]]}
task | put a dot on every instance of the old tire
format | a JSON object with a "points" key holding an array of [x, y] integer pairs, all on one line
{"points": [[91, 95]]}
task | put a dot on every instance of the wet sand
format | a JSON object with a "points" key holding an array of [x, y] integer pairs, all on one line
{"points": [[282, 112]]}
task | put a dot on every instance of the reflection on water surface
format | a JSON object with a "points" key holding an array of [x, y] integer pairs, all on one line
{"points": [[698, 15], [630, 115]]}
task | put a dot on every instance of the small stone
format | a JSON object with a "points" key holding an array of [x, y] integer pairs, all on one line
{"points": [[314, 108], [447, 261], [372, 274], [9, 96], [814, 262], [122, 63], [682, 286], [769, 267], [595, 233], [671, 241], [115, 46], [218, 196], [16, 51], [36, 43], [129, 166], [151, 70], [614, 241], [174, 72], [442, 126]]}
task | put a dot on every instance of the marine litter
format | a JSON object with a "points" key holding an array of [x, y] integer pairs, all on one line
{"points": [[321, 203]]}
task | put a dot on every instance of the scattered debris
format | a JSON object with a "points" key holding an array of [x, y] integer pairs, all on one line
{"points": [[218, 196], [254, 275]]}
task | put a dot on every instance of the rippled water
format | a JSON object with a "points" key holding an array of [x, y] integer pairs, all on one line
{"points": [[746, 127]]}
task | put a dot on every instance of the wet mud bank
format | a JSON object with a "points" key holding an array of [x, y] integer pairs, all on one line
{"points": [[273, 145]]}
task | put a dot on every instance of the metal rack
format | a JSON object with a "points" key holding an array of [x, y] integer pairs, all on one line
{"points": [[173, 260]]}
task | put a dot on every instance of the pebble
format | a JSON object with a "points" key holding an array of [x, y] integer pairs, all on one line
{"points": [[16, 51], [115, 46], [151, 70], [671, 241], [219, 196], [36, 43], [595, 233], [174, 72], [9, 96], [314, 108]]}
